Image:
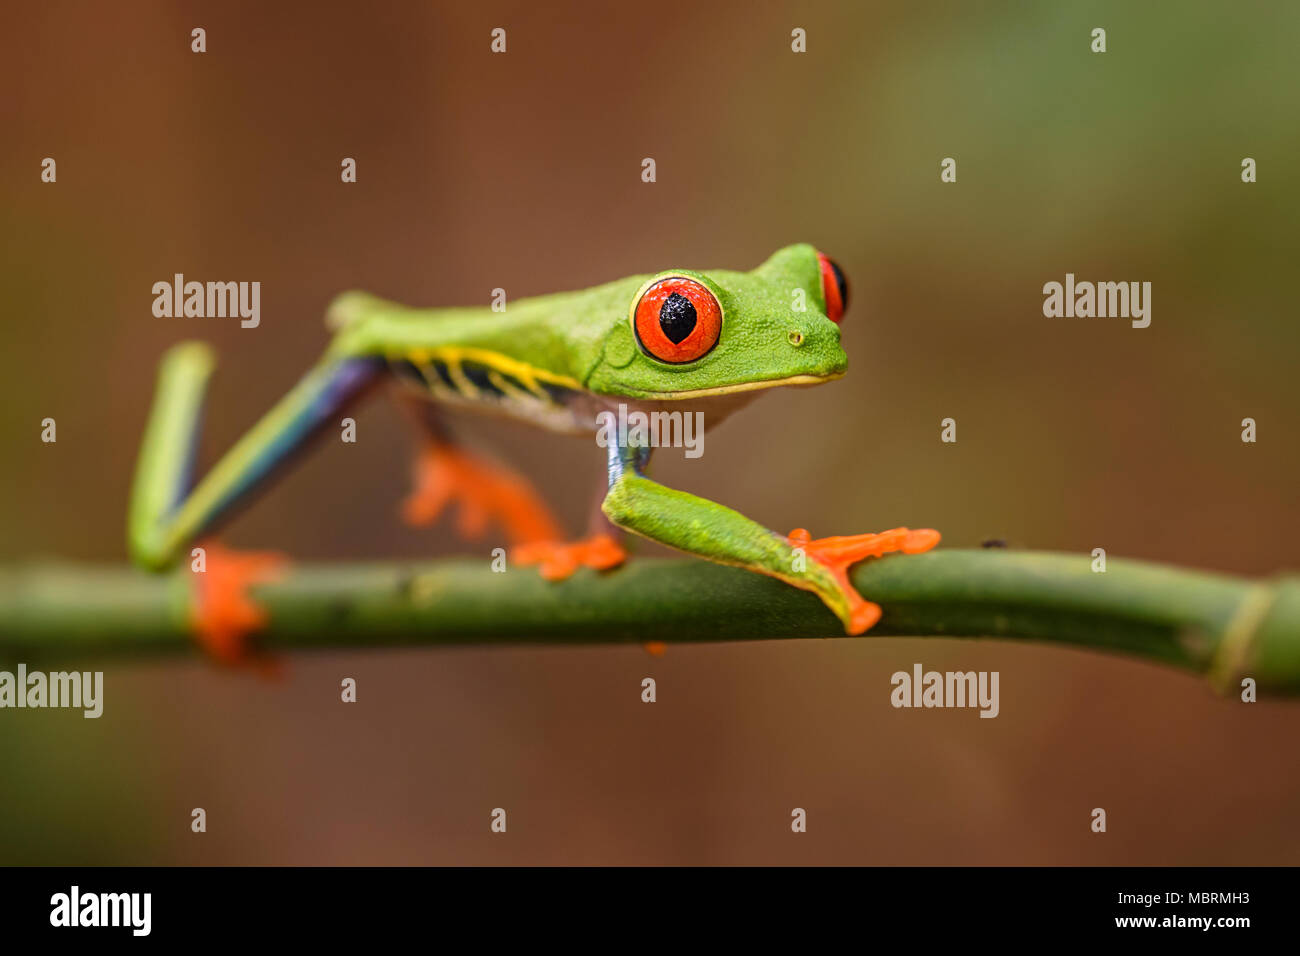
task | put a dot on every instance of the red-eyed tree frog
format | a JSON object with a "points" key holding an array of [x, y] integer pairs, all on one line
{"points": [[650, 342]]}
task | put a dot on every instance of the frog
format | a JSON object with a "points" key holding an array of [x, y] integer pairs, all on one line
{"points": [[678, 338]]}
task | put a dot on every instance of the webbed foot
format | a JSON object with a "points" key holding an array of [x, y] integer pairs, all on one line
{"points": [[558, 559], [838, 554], [485, 492], [224, 617]]}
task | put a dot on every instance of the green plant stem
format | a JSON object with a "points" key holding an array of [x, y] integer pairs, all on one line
{"points": [[1220, 626]]}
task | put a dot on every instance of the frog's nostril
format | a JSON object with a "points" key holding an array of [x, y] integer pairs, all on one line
{"points": [[795, 337]]}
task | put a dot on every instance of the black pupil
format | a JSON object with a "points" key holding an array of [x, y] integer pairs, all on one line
{"points": [[677, 318], [842, 282]]}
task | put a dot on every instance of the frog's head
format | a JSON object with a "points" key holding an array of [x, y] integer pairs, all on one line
{"points": [[691, 334]]}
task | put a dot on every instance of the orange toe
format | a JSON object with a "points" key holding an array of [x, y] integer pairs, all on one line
{"points": [[920, 540], [864, 614], [557, 559], [223, 615], [485, 491], [844, 550], [838, 554]]}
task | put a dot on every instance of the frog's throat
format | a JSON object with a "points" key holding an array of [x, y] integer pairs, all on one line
{"points": [[796, 380]]}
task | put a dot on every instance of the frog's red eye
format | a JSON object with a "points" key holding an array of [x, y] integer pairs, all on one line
{"points": [[678, 320], [835, 288]]}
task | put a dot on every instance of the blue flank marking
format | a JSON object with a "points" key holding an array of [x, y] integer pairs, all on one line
{"points": [[321, 395]]}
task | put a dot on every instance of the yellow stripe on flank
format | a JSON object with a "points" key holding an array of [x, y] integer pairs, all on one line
{"points": [[466, 388], [509, 388], [529, 375]]}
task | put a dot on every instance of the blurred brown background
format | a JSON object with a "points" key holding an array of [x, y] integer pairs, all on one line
{"points": [[522, 171]]}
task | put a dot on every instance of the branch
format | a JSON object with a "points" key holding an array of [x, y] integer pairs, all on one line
{"points": [[1211, 624]]}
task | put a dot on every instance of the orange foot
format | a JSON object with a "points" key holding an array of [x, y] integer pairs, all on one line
{"points": [[223, 614], [840, 553], [484, 490], [558, 560]]}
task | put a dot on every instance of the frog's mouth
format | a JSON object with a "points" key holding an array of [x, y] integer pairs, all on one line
{"points": [[796, 380]]}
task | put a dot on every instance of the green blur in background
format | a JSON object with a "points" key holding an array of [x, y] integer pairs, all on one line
{"points": [[522, 171]]}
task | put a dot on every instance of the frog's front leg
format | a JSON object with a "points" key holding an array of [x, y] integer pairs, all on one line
{"points": [[702, 527], [601, 550], [487, 492], [447, 473]]}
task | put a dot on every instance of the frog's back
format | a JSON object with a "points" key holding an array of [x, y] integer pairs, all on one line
{"points": [[529, 361]]}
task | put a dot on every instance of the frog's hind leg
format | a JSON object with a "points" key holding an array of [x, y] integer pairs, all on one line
{"points": [[167, 515]]}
